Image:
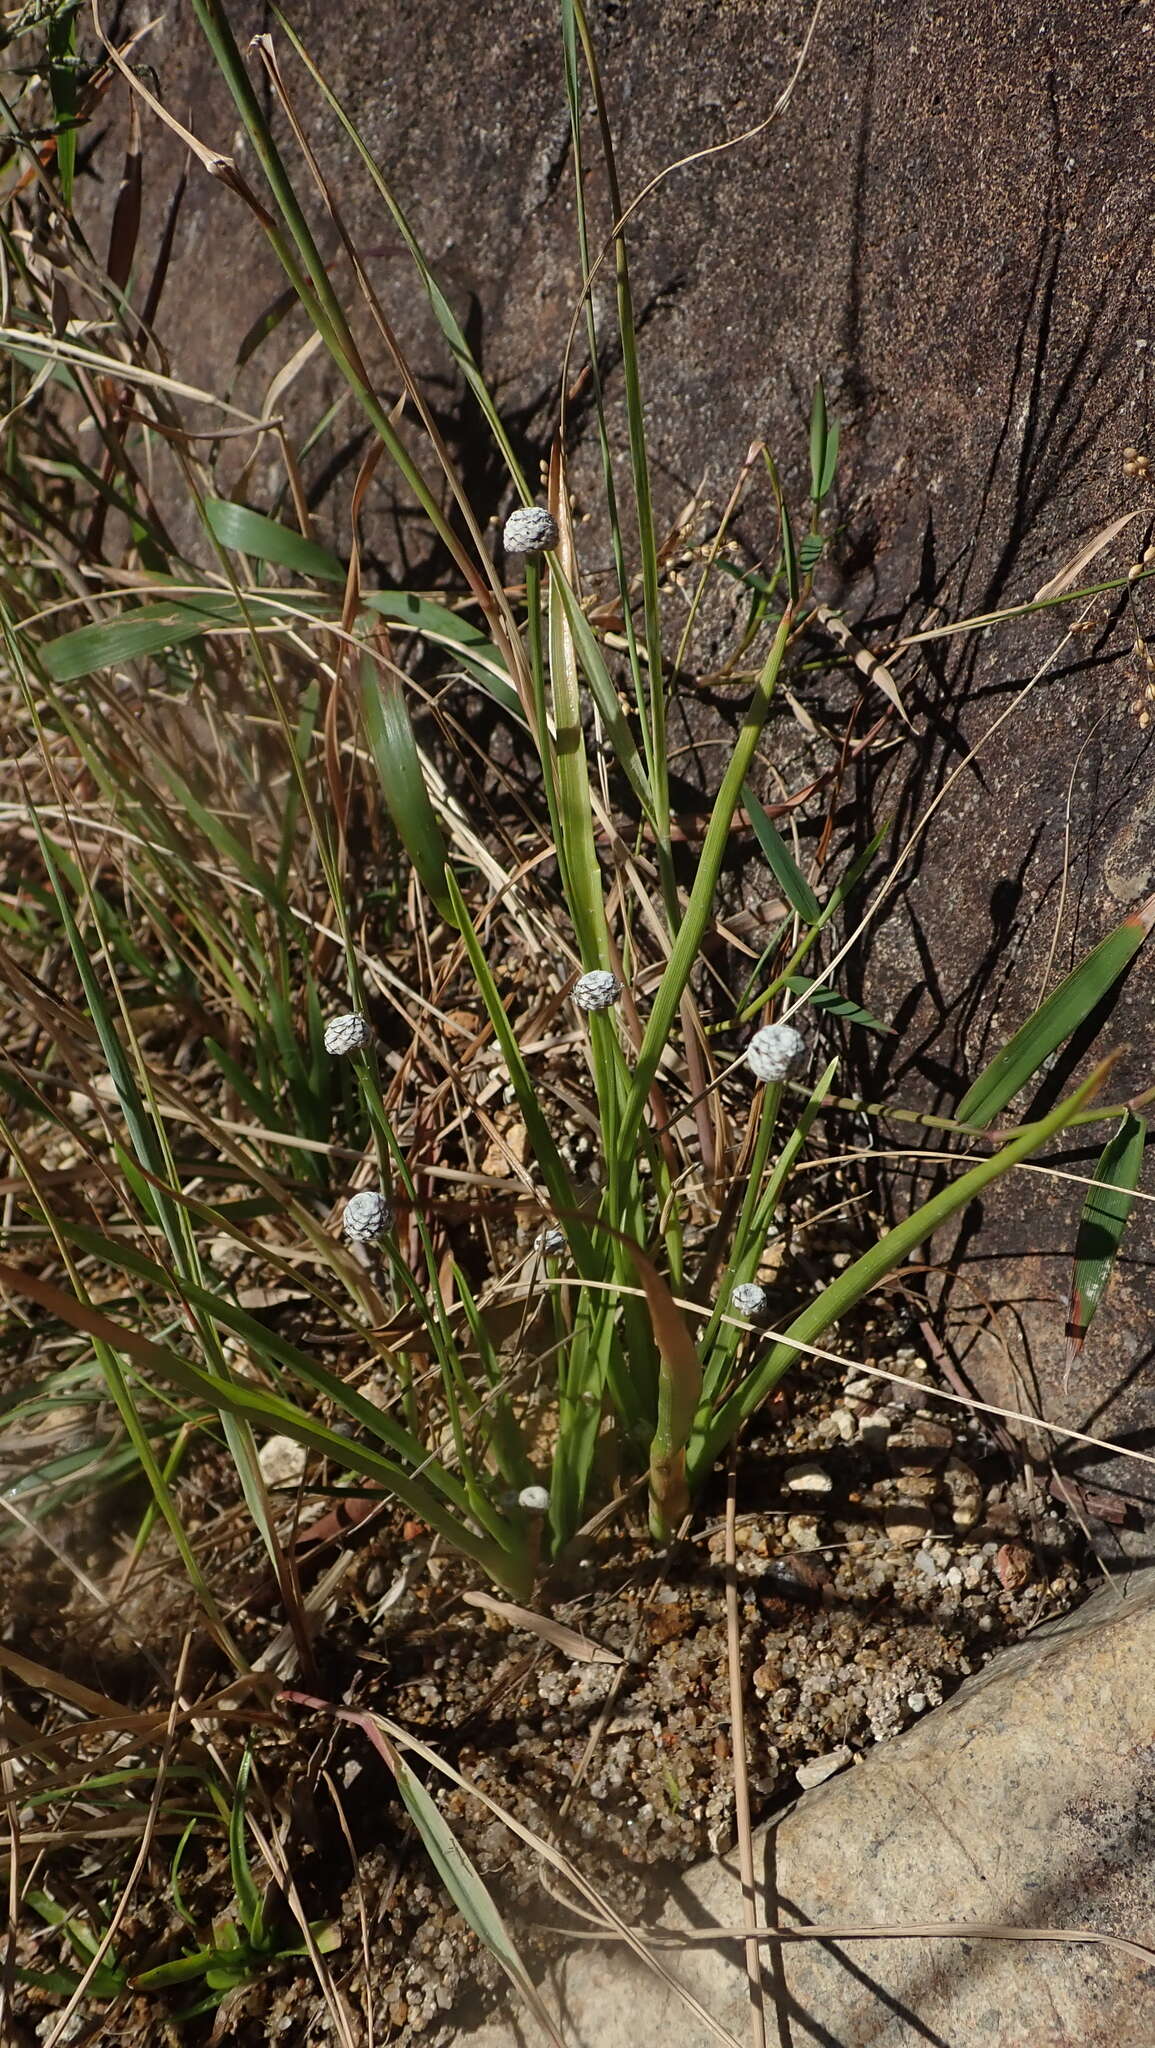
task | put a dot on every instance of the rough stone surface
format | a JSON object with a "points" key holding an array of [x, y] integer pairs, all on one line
{"points": [[1028, 1800], [952, 225]]}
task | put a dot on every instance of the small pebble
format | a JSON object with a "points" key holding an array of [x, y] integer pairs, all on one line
{"points": [[803, 1532], [282, 1460], [907, 1524], [1014, 1565], [807, 1477], [823, 1767], [966, 1494], [874, 1430]]}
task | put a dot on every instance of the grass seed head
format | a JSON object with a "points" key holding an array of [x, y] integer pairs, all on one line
{"points": [[367, 1217], [528, 530], [349, 1033], [749, 1300], [551, 1241], [596, 990], [775, 1051]]}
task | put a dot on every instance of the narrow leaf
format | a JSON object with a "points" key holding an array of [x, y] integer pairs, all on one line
{"points": [[1055, 1020], [402, 780], [823, 446], [151, 629], [249, 1902], [824, 998], [567, 1640], [864, 661], [1101, 1226], [717, 1429], [785, 870], [460, 1877], [251, 533], [467, 643]]}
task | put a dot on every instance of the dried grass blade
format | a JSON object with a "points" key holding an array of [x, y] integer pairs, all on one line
{"points": [[567, 1640], [867, 663], [1071, 571]]}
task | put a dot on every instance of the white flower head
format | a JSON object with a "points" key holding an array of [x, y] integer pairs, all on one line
{"points": [[596, 990], [367, 1217], [775, 1051], [348, 1033], [528, 530], [551, 1241], [749, 1300], [534, 1499]]}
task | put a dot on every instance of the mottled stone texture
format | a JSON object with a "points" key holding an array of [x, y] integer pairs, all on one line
{"points": [[952, 225], [1028, 1800]]}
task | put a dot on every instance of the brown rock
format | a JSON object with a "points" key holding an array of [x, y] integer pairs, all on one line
{"points": [[1013, 1566], [907, 1524]]}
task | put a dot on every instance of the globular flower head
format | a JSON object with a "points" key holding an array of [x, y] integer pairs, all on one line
{"points": [[367, 1217], [534, 1499], [596, 990], [749, 1300], [775, 1051], [528, 530], [347, 1034], [551, 1241]]}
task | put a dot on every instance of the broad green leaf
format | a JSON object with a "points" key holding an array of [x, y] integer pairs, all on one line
{"points": [[252, 533], [1101, 1226], [1054, 1020], [824, 998], [402, 780], [789, 877], [811, 551]]}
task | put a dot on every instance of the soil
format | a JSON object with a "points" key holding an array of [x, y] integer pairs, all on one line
{"points": [[885, 1548]]}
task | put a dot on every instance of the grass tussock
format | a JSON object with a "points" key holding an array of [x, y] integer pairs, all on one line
{"points": [[391, 1068]]}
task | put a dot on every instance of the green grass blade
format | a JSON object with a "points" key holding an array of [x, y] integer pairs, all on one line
{"points": [[788, 875], [271, 1411], [828, 999], [1054, 1020], [154, 629], [1105, 1211], [460, 1877], [266, 540], [823, 447], [545, 1151], [446, 319], [691, 932], [441, 627], [250, 1904], [402, 780], [836, 1300]]}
